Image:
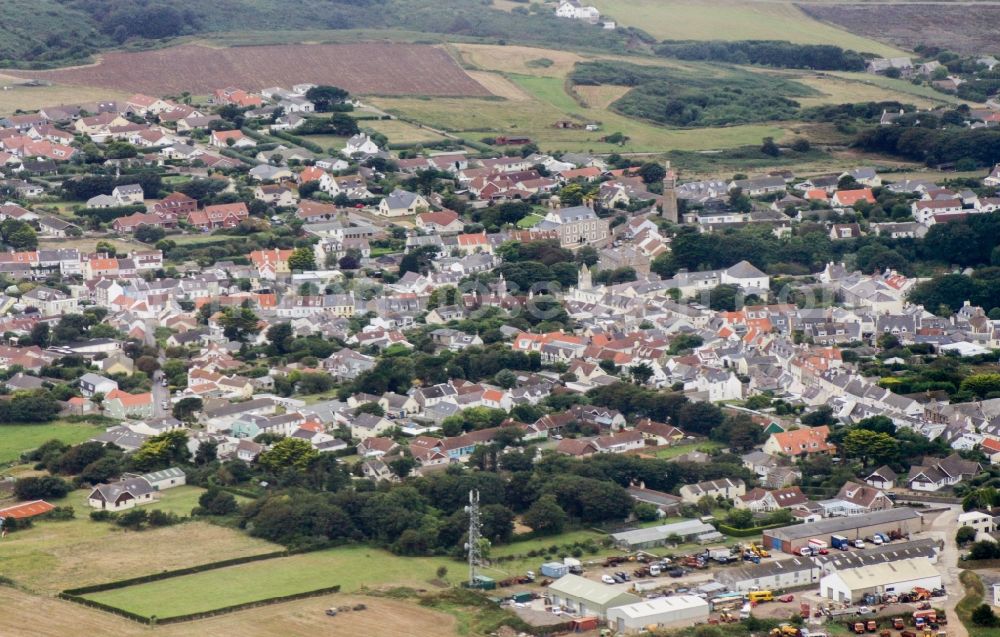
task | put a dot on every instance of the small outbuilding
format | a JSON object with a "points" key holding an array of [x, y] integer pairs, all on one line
{"points": [[166, 479], [662, 612], [554, 569]]}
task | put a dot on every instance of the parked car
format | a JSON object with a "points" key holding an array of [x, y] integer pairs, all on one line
{"points": [[607, 579]]}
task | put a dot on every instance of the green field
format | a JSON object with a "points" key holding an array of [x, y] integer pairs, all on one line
{"points": [[536, 117], [55, 555], [901, 86], [733, 20], [16, 439], [333, 142], [535, 544], [350, 567]]}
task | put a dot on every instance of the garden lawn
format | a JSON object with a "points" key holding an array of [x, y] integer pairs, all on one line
{"points": [[349, 567], [16, 439], [530, 221], [706, 446], [181, 500]]}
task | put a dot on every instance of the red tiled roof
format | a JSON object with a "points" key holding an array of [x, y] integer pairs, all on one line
{"points": [[26, 509]]}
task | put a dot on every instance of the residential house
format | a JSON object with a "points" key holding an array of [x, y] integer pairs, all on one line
{"points": [[121, 495], [401, 203], [121, 405], [726, 488], [934, 474], [799, 442]]}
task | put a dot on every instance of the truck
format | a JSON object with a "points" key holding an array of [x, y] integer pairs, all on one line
{"points": [[818, 545], [840, 542], [575, 566], [722, 555]]}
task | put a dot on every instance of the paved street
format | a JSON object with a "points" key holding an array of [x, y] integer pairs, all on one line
{"points": [[160, 394], [943, 527]]}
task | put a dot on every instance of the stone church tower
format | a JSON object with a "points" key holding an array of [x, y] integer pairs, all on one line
{"points": [[584, 280], [669, 205]]}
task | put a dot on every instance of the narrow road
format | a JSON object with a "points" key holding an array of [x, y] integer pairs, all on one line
{"points": [[161, 394], [943, 528]]}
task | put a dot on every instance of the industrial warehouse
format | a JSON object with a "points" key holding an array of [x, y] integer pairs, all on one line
{"points": [[662, 612], [789, 573], [899, 522], [687, 531], [582, 596], [852, 584]]}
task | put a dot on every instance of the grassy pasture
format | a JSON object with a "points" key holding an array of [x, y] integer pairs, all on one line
{"points": [[16, 439], [52, 556], [27, 615], [401, 132], [733, 20], [351, 567]]}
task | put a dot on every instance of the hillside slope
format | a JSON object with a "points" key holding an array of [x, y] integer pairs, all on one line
{"points": [[46, 33]]}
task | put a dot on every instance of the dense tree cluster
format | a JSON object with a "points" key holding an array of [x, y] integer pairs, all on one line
{"points": [[676, 98], [979, 147], [774, 53]]}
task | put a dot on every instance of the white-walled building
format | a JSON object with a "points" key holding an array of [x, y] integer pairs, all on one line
{"points": [[850, 585], [663, 612]]}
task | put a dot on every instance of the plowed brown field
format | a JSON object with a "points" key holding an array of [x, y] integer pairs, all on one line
{"points": [[372, 68]]}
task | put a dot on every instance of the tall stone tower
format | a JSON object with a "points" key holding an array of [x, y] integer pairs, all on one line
{"points": [[669, 205], [584, 280]]}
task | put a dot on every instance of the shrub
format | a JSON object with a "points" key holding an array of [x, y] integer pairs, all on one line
{"points": [[983, 615], [37, 488], [965, 535]]}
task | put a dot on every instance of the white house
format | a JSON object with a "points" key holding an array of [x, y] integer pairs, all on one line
{"points": [[121, 495], [91, 384], [981, 522], [401, 203], [747, 276], [360, 144]]}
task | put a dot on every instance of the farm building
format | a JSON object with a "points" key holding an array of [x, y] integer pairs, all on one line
{"points": [[26, 510], [581, 596], [166, 479], [121, 495], [776, 575], [686, 531], [663, 612], [789, 538], [851, 584]]}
